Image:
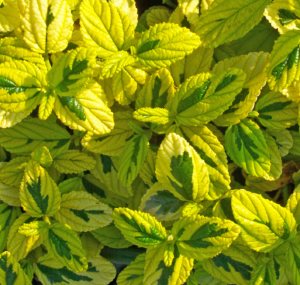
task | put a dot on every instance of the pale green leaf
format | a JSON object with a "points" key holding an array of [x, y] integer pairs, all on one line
{"points": [[264, 224], [139, 228], [246, 146], [218, 24]]}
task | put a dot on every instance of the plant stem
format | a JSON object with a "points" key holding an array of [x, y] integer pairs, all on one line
{"points": [[285, 194], [47, 61], [278, 193]]}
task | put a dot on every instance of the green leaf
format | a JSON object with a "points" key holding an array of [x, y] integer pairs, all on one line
{"points": [[139, 228], [73, 161], [256, 77], [21, 85], [105, 27], [158, 91], [18, 244], [284, 62], [212, 152], [38, 193], [11, 272], [218, 24], [105, 170], [158, 116], [71, 72], [161, 203], [293, 204], [111, 236], [246, 146], [283, 138], [204, 97], [115, 63], [31, 134], [133, 274], [264, 226], [201, 237], [198, 61], [99, 272], [181, 167], [132, 158], [83, 212], [42, 156], [114, 142], [165, 43], [64, 245], [264, 273], [276, 111]]}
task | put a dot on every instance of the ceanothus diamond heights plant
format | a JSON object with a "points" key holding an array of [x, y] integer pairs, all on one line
{"points": [[156, 149]]}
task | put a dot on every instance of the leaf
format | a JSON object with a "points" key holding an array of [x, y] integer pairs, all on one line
{"points": [[191, 9], [132, 158], [293, 260], [105, 170], [8, 215], [296, 143], [283, 16], [275, 158], [31, 134], [83, 212], [201, 237], [161, 203], [165, 43], [263, 226], [156, 272], [46, 105], [264, 273], [64, 245], [20, 245], [9, 17], [147, 172], [114, 64], [218, 24], [139, 228], [260, 38], [21, 86], [207, 145], [198, 61], [10, 195], [180, 166], [129, 8], [99, 272], [256, 77], [38, 193], [105, 27], [158, 91], [111, 236], [233, 265], [71, 72], [114, 142], [85, 112], [247, 147], [293, 204], [276, 111], [16, 49], [42, 156], [284, 62], [203, 97], [91, 246], [12, 172], [11, 272], [73, 161], [35, 228], [157, 16], [126, 84], [284, 140], [71, 184], [133, 274], [47, 18], [158, 116], [9, 119]]}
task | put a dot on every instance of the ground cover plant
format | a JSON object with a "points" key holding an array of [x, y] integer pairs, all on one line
{"points": [[153, 148]]}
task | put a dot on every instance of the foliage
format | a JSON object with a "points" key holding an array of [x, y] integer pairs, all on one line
{"points": [[168, 143]]}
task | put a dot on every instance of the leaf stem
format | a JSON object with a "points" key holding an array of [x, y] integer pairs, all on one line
{"points": [[285, 194], [47, 61]]}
